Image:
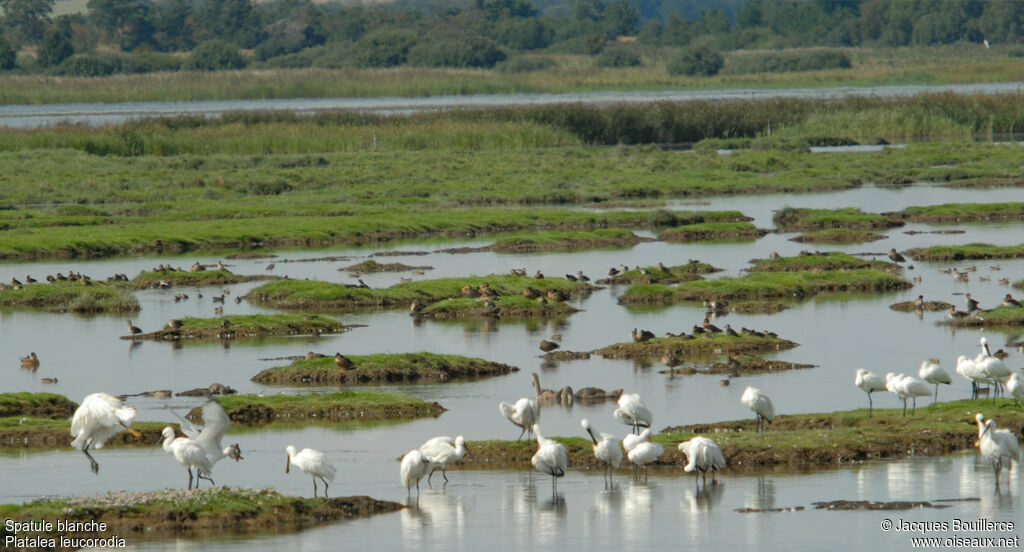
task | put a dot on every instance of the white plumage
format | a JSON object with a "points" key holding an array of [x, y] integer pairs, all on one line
{"points": [[442, 451], [969, 370], [313, 463], [906, 387], [932, 373], [209, 435], [633, 412], [702, 454], [414, 467], [606, 449], [757, 401], [993, 369], [550, 458], [644, 452], [1016, 387], [998, 446], [523, 414], [188, 454], [868, 382], [97, 419]]}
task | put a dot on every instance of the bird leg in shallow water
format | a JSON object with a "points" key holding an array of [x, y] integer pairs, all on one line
{"points": [[93, 465]]}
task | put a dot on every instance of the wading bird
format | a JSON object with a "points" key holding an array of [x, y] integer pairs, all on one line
{"points": [[523, 414], [209, 435], [633, 412], [550, 458], [869, 382], [932, 373], [414, 467], [606, 450], [997, 445], [189, 454], [644, 452], [906, 387], [703, 454], [757, 401], [1016, 387], [442, 451], [313, 463], [100, 417]]}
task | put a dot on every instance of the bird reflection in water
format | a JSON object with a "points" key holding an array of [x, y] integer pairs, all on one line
{"points": [[764, 499], [433, 516], [704, 499]]}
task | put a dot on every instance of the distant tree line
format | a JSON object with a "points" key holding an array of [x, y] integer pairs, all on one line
{"points": [[130, 36]]}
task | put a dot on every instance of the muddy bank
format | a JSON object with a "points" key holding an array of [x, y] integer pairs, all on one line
{"points": [[955, 213], [838, 236], [818, 261], [757, 307], [46, 433], [371, 267], [713, 231], [162, 279], [250, 410], [246, 326], [850, 505], [743, 365], [69, 296], [695, 346], [930, 306], [566, 355], [382, 368], [802, 219], [509, 307], [573, 241], [660, 274], [168, 513], [36, 405], [966, 252], [999, 317]]}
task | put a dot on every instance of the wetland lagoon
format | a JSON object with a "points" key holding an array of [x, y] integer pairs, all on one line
{"points": [[288, 291]]}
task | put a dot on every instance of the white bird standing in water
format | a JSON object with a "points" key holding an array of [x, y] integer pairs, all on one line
{"points": [[523, 414], [97, 419], [869, 382], [1016, 387], [550, 458], [209, 435], [313, 463], [969, 370], [606, 450], [442, 451], [702, 454], [997, 445], [414, 467], [643, 452], [931, 372], [633, 412], [993, 368], [188, 454], [757, 401]]}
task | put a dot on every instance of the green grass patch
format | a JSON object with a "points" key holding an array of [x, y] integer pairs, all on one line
{"points": [[838, 236], [953, 213], [566, 241], [712, 231], [832, 260], [702, 345], [28, 432], [791, 219], [965, 252], [293, 294], [371, 266], [64, 296], [658, 275], [245, 326], [382, 368], [154, 279], [515, 307], [765, 285], [50, 405], [325, 408], [999, 317]]}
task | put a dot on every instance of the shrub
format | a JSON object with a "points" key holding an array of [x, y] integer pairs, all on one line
{"points": [[524, 64], [214, 55], [456, 51], [384, 48], [618, 57], [789, 62], [698, 61], [8, 57], [84, 66]]}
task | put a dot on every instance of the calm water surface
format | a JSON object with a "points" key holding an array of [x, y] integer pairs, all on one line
{"points": [[515, 508]]}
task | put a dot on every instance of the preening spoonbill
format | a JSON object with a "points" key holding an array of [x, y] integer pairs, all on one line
{"points": [[633, 412], [869, 382], [209, 435], [523, 414], [313, 463], [188, 454], [550, 458], [703, 454], [757, 401], [906, 387], [442, 451], [97, 419], [997, 446], [969, 370], [644, 452], [414, 467], [606, 449], [993, 368], [932, 373], [1015, 386]]}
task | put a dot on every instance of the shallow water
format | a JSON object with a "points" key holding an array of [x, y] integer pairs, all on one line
{"points": [[479, 508]]}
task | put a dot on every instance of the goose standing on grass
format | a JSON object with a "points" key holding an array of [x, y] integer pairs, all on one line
{"points": [[757, 401], [633, 412], [703, 454], [643, 452], [932, 373], [523, 414], [313, 463], [606, 451], [997, 446], [97, 419], [414, 467], [550, 458], [869, 382], [442, 451], [189, 454]]}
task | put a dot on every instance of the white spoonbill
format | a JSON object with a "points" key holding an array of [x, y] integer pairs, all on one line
{"points": [[442, 451], [313, 463], [757, 401], [906, 387], [97, 419], [209, 435], [969, 370], [633, 412], [997, 446], [703, 454], [523, 414], [550, 458], [645, 452], [869, 382], [1016, 387], [931, 372], [606, 450], [188, 454], [992, 367], [414, 467]]}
